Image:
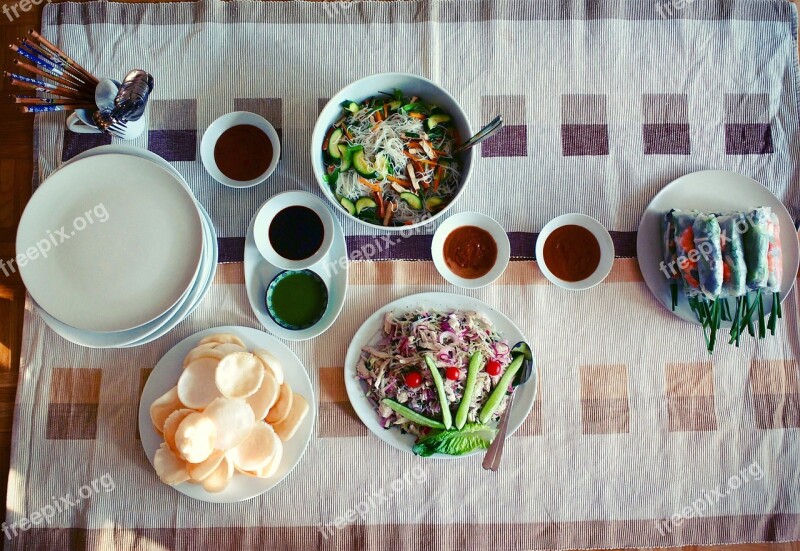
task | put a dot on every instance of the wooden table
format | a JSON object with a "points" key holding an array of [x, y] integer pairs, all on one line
{"points": [[16, 169]]}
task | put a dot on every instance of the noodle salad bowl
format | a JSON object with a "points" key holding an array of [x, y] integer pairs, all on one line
{"points": [[382, 151]]}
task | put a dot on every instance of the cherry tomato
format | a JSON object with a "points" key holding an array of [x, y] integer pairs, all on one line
{"points": [[493, 368], [413, 379], [453, 373]]}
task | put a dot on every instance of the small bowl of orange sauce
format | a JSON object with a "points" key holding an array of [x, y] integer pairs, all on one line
{"points": [[575, 251], [470, 250]]}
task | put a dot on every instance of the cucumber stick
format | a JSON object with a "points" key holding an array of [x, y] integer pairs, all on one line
{"points": [[447, 417], [412, 415], [469, 389], [500, 390]]}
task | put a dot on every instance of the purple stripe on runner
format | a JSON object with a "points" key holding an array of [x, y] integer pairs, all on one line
{"points": [[231, 249], [418, 247]]}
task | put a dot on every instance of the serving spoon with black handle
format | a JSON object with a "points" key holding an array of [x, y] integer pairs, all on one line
{"points": [[491, 461]]}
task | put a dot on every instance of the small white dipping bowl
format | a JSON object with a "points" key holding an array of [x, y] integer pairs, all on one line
{"points": [[603, 238], [223, 123], [267, 213], [485, 223]]}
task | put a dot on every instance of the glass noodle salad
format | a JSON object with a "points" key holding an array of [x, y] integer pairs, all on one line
{"points": [[398, 370], [389, 159]]}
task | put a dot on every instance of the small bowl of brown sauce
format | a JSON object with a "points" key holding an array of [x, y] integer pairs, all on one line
{"points": [[575, 251], [293, 230], [470, 250], [240, 149]]}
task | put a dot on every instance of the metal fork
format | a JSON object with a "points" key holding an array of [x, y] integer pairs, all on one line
{"points": [[105, 121]]}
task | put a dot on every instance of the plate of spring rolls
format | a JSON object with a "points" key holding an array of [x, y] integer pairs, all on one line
{"points": [[720, 250]]}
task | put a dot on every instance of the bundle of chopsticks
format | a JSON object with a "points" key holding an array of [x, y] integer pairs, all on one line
{"points": [[60, 82]]}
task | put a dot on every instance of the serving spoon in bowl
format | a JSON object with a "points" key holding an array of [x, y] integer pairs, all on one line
{"points": [[491, 461], [487, 131]]}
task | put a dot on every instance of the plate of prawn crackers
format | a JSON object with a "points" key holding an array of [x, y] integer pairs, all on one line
{"points": [[226, 414], [720, 250]]}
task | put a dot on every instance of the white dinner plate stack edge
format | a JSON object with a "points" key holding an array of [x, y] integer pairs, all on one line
{"points": [[159, 253]]}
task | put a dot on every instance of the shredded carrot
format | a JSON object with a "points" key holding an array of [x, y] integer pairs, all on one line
{"points": [[373, 186], [327, 139], [385, 111], [425, 185], [398, 181], [379, 199], [407, 223], [378, 116], [437, 178], [418, 116], [347, 132], [426, 162]]}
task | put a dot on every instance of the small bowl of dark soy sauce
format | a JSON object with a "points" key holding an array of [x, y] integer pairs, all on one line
{"points": [[293, 230], [240, 149]]}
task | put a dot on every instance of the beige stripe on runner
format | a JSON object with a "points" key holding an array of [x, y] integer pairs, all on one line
{"points": [[405, 272]]}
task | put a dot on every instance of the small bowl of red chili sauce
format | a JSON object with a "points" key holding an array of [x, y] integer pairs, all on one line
{"points": [[240, 149], [575, 251], [470, 250]]}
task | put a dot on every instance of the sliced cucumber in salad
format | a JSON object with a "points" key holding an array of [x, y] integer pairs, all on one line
{"points": [[348, 205], [412, 199], [365, 203], [333, 143]]}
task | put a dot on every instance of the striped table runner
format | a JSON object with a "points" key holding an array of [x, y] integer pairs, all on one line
{"points": [[638, 438]]}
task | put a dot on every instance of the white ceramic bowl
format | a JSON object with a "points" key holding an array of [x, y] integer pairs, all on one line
{"points": [[366, 87], [603, 238], [481, 221], [267, 213], [223, 123]]}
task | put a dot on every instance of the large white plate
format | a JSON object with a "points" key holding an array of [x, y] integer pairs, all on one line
{"points": [[165, 375], [709, 191], [370, 333], [332, 268], [159, 326], [117, 274], [194, 295]]}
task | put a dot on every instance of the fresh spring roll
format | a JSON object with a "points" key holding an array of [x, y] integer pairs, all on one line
{"points": [[685, 251], [709, 264], [734, 268], [756, 247], [774, 255]]}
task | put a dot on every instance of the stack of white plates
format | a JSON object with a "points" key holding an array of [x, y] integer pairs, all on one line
{"points": [[114, 249]]}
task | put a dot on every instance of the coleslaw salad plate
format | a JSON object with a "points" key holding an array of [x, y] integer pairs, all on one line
{"points": [[370, 333]]}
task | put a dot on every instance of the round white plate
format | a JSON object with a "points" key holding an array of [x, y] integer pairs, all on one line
{"points": [[122, 272], [332, 268], [370, 333], [709, 191], [165, 375], [159, 327], [145, 333]]}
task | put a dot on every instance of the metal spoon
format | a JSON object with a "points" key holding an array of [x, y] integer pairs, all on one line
{"points": [[491, 461], [489, 130]]}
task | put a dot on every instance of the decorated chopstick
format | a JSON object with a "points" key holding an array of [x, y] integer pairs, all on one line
{"points": [[54, 108], [41, 86], [47, 74], [60, 54], [60, 69]]}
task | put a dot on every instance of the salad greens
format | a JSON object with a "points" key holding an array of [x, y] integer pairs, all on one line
{"points": [[397, 152], [473, 436]]}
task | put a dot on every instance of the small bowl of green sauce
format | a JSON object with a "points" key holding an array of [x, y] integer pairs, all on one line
{"points": [[297, 299]]}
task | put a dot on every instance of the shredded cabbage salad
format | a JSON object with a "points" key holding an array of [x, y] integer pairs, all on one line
{"points": [[451, 338]]}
